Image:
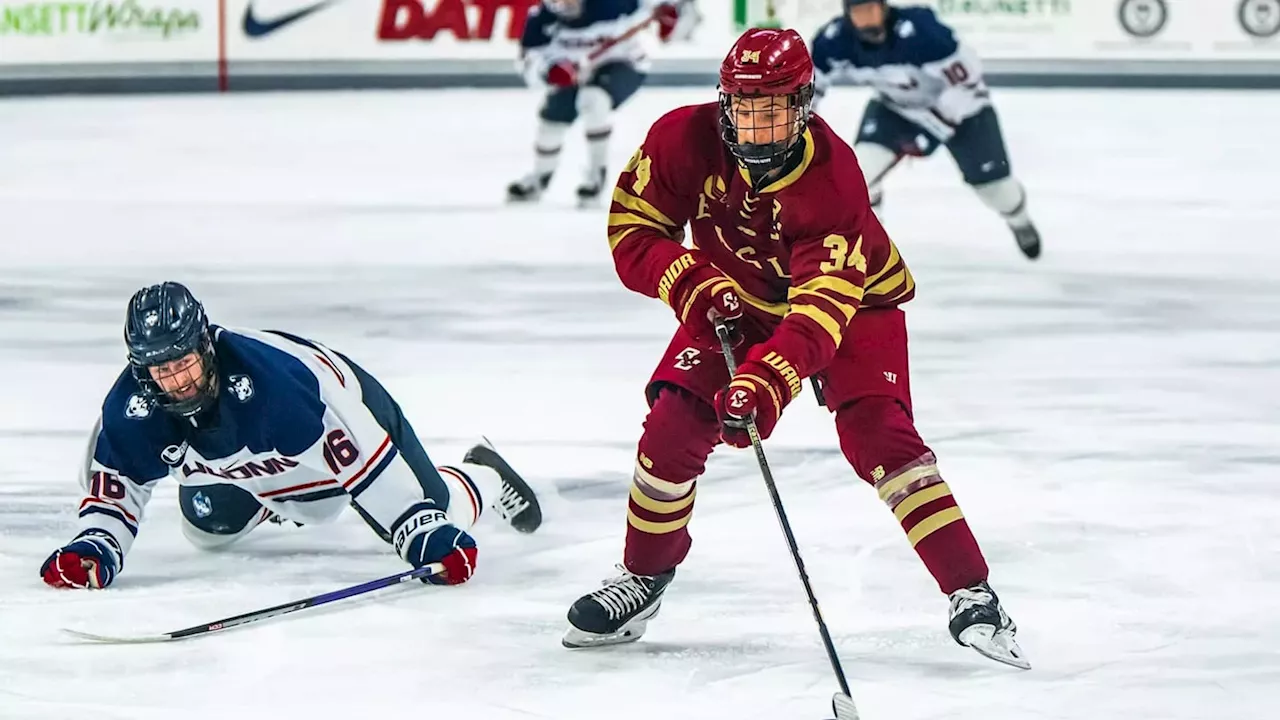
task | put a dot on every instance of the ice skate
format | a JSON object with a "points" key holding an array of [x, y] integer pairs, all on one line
{"points": [[591, 188], [618, 612], [979, 622], [517, 504], [1028, 239], [528, 188]]}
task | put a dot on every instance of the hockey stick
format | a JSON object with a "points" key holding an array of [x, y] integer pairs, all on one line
{"points": [[842, 702], [278, 610], [609, 44]]}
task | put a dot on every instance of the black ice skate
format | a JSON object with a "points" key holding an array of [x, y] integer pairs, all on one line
{"points": [[528, 188], [618, 612], [517, 504], [1028, 239], [591, 187], [979, 622]]}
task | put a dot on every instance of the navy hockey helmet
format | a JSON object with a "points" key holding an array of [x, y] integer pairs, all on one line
{"points": [[870, 32], [165, 323]]}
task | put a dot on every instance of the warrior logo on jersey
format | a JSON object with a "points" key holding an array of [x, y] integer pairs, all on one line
{"points": [[241, 387], [202, 505], [138, 407], [173, 454]]}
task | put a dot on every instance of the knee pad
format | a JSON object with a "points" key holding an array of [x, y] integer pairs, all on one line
{"points": [[878, 437], [595, 107], [679, 434], [217, 515]]}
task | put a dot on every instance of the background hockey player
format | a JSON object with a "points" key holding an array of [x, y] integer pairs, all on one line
{"points": [[786, 247], [929, 92], [257, 426], [559, 36]]}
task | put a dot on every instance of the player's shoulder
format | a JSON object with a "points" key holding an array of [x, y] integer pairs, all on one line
{"points": [[130, 414], [603, 11], [267, 384], [834, 166], [687, 124], [921, 34], [836, 36]]}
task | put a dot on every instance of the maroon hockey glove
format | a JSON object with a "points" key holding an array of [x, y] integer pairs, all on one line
{"points": [[758, 389], [87, 562], [700, 293], [668, 16], [563, 74]]}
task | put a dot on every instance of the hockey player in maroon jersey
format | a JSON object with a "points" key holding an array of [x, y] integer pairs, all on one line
{"points": [[786, 248]]}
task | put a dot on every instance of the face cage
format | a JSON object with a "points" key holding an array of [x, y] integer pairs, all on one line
{"points": [[202, 400], [766, 156]]}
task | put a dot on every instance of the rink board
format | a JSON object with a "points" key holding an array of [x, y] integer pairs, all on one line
{"points": [[208, 45]]}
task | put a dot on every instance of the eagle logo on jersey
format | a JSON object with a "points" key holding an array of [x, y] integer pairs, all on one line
{"points": [[138, 407], [241, 387]]}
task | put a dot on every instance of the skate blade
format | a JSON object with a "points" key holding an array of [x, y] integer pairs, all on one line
{"points": [[999, 646], [576, 639], [842, 705]]}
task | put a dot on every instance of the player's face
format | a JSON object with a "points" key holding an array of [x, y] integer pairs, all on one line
{"points": [[763, 120], [869, 19], [180, 379], [565, 8]]}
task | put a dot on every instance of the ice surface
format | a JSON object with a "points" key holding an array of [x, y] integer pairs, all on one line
{"points": [[1107, 417]]}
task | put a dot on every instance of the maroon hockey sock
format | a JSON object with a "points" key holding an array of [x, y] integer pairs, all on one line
{"points": [[881, 442], [679, 434]]}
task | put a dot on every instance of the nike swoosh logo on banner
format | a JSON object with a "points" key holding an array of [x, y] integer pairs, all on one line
{"points": [[254, 28]]}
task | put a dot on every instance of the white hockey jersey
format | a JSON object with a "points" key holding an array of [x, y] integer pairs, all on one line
{"points": [[292, 428], [922, 71], [549, 39]]}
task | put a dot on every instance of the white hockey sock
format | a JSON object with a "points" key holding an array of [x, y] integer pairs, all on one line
{"points": [[472, 488], [1008, 198], [595, 107], [547, 146], [876, 162]]}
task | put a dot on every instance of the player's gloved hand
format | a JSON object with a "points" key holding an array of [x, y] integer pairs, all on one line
{"points": [[563, 74], [427, 536], [756, 390], [668, 17], [699, 294], [89, 561]]}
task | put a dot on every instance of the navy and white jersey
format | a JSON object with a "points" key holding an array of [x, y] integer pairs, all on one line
{"points": [[549, 39], [291, 428], [921, 71]]}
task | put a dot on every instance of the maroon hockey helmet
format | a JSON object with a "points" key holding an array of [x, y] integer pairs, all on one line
{"points": [[766, 91]]}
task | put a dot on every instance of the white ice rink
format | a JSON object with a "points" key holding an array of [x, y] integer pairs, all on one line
{"points": [[1107, 417]]}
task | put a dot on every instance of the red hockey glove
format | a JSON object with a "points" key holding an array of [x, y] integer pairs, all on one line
{"points": [[756, 389], [668, 16], [563, 74], [89, 561], [700, 293]]}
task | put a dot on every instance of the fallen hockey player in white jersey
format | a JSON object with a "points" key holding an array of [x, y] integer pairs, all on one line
{"points": [[261, 426], [556, 50], [929, 92]]}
